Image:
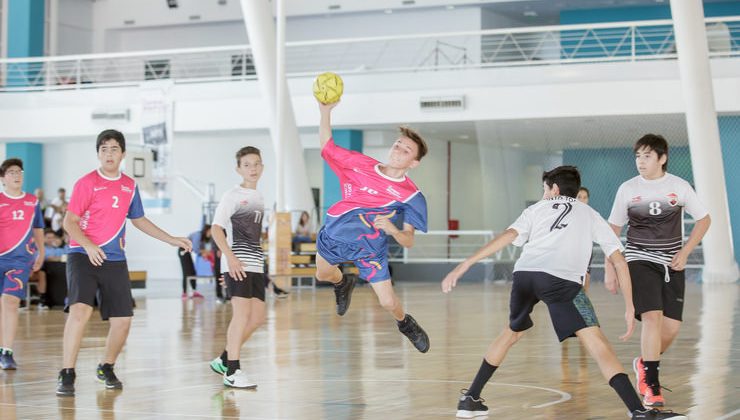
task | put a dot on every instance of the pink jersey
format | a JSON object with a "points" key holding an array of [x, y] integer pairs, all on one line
{"points": [[103, 204], [367, 193], [18, 217]]}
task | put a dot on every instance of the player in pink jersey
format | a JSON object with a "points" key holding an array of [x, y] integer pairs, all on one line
{"points": [[21, 235], [374, 196], [96, 221]]}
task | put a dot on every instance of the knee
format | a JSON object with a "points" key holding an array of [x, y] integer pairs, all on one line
{"points": [[512, 336], [10, 303], [387, 302], [652, 318], [324, 274], [256, 321], [121, 325]]}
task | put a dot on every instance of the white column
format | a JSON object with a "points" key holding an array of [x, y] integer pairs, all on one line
{"points": [[288, 150], [280, 102], [706, 153]]}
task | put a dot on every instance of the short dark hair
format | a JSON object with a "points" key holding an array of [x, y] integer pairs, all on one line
{"points": [[567, 178], [247, 150], [416, 138], [654, 142], [106, 135], [8, 163], [588, 193]]}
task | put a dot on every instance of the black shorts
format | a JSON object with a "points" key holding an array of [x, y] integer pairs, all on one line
{"points": [[651, 291], [253, 286], [570, 309], [109, 283]]}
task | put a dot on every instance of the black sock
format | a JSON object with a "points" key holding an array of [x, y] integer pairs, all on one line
{"points": [[621, 383], [404, 321], [224, 357], [651, 373], [106, 365], [68, 371], [484, 374], [232, 366], [341, 282]]}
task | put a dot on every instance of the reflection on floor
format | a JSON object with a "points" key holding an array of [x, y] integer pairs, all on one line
{"points": [[311, 364]]}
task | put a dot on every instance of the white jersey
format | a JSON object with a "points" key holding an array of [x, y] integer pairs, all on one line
{"points": [[654, 211], [558, 236], [240, 213]]}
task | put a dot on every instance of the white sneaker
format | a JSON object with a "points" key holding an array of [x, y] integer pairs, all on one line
{"points": [[238, 380]]}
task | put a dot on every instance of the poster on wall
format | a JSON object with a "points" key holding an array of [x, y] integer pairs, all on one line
{"points": [[156, 140]]}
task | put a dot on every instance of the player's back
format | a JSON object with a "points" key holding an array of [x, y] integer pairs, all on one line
{"points": [[558, 236]]}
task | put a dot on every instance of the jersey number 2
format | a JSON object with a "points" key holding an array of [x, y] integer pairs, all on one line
{"points": [[567, 207], [115, 202]]}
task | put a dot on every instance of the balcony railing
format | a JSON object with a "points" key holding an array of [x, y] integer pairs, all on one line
{"points": [[548, 45]]}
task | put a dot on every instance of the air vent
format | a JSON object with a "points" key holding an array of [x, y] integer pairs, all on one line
{"points": [[408, 2], [334, 7], [129, 22], [442, 103], [194, 17], [112, 115]]}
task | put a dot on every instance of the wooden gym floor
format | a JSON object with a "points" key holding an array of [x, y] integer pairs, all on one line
{"points": [[311, 364]]}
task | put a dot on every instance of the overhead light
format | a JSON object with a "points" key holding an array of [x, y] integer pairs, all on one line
{"points": [[516, 145], [450, 7], [530, 13], [388, 11], [463, 136], [575, 143]]}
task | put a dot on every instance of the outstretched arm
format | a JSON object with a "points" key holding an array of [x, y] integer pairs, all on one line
{"points": [[325, 124], [145, 225], [498, 243]]}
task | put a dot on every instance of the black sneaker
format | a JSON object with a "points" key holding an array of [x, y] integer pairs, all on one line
{"points": [[415, 333], [279, 293], [343, 293], [656, 414], [106, 375], [66, 383], [468, 407]]}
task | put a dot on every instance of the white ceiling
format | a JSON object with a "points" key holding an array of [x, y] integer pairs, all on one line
{"points": [[552, 134]]}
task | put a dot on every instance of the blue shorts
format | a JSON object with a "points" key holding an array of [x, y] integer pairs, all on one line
{"points": [[15, 278], [373, 265]]}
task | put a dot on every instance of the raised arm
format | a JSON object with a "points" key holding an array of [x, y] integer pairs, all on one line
{"points": [[498, 243], [325, 123]]}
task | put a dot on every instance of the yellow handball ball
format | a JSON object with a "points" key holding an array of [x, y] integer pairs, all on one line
{"points": [[328, 87]]}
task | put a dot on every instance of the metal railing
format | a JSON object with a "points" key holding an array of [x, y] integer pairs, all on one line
{"points": [[547, 45]]}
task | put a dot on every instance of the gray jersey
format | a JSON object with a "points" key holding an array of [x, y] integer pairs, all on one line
{"points": [[653, 210], [240, 213]]}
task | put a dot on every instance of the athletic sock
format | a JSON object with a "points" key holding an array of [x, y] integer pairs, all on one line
{"points": [[652, 369], [484, 374], [402, 323], [232, 366], [224, 358], [621, 383]]}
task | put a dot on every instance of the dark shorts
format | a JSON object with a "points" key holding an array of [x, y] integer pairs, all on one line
{"points": [[651, 291], [570, 309], [373, 265], [15, 278], [108, 283], [253, 286]]}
